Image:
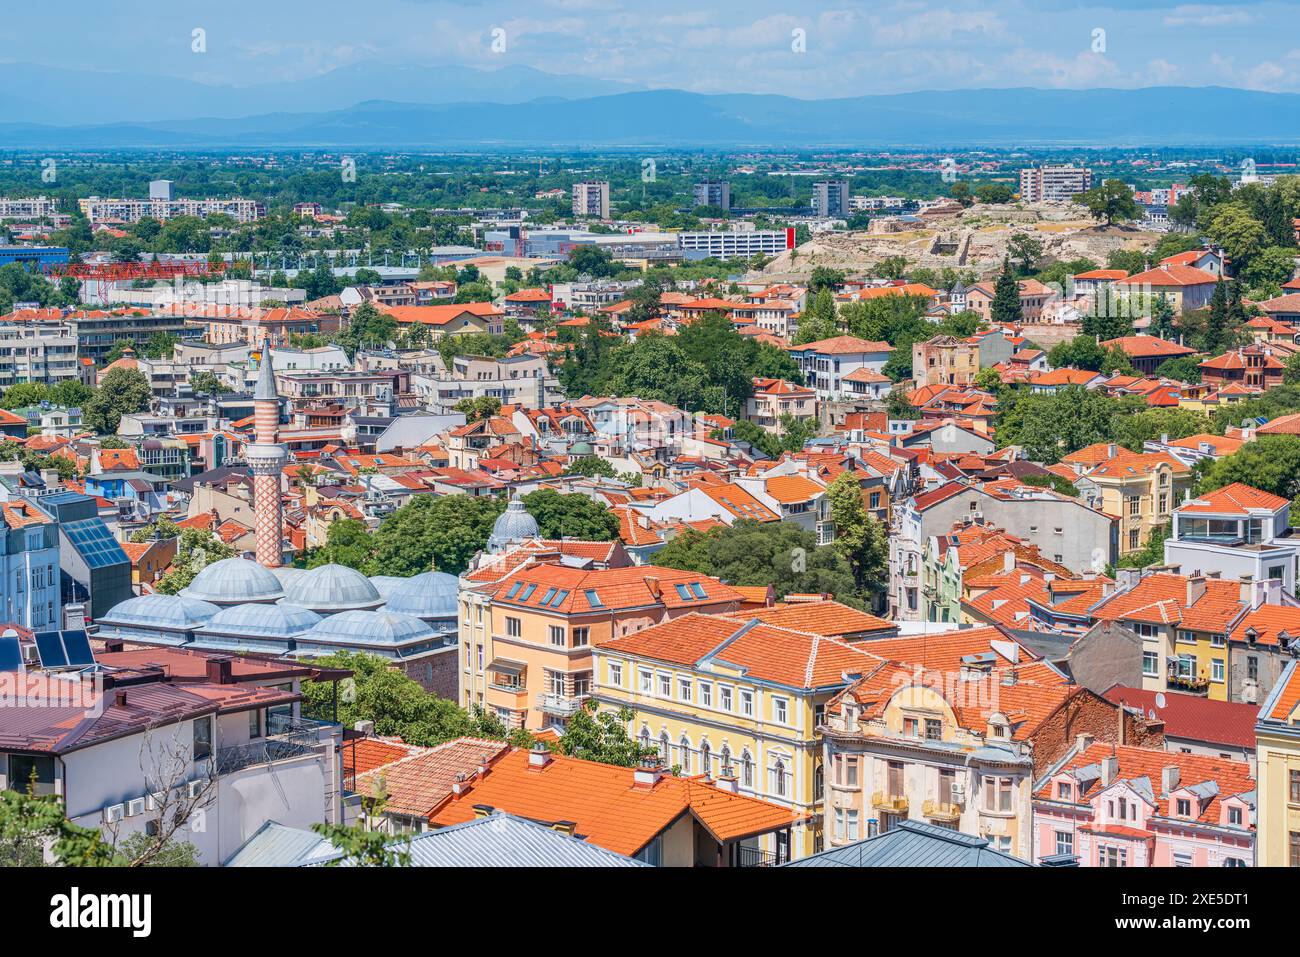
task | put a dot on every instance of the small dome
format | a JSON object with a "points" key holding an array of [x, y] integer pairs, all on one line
{"points": [[287, 574], [430, 595], [173, 612], [387, 584], [369, 628], [580, 448], [332, 588], [512, 526], [262, 621], [234, 581]]}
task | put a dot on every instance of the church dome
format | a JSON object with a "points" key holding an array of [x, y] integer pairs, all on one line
{"points": [[234, 581], [430, 595], [332, 588], [512, 526]]}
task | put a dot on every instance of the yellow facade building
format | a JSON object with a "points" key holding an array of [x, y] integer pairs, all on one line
{"points": [[1277, 752], [1141, 488]]}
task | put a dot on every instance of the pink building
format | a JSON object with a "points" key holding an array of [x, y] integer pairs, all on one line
{"points": [[1140, 807]]}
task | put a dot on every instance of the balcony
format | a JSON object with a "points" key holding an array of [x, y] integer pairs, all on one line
{"points": [[755, 857], [1190, 682], [893, 804], [939, 811], [562, 706]]}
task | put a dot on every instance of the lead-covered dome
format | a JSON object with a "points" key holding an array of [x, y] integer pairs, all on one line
{"points": [[332, 588], [262, 621], [375, 629], [512, 526], [234, 581], [170, 612], [430, 595]]}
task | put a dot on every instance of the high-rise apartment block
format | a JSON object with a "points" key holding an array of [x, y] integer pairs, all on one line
{"points": [[831, 198], [591, 199], [1059, 183]]}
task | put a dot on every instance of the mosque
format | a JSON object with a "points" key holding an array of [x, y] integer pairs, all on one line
{"points": [[238, 606]]}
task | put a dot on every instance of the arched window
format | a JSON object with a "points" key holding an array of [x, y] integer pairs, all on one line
{"points": [[746, 769], [685, 759], [780, 780], [706, 757], [665, 749]]}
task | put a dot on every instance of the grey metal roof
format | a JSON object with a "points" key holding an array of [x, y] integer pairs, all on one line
{"points": [[503, 840], [275, 845], [914, 844]]}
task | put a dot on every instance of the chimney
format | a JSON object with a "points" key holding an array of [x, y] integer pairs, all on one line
{"points": [[565, 827], [652, 583], [1169, 776], [727, 780], [1164, 438], [219, 670], [484, 764], [1109, 769], [648, 772], [1008, 561], [1111, 450], [1195, 587], [114, 644], [460, 785], [1119, 717], [365, 727], [539, 756], [119, 698]]}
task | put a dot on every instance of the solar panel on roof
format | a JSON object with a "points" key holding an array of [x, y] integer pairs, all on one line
{"points": [[94, 543], [50, 648], [11, 655], [77, 646]]}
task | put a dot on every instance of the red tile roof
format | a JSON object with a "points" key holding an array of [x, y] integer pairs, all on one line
{"points": [[1193, 717], [1235, 499]]}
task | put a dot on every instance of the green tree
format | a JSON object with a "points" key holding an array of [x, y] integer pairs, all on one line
{"points": [[590, 466], [1112, 202], [120, 392], [433, 531], [1006, 297], [197, 549], [861, 539], [483, 407], [1152, 551], [571, 516], [204, 382], [30, 823], [1182, 368], [595, 735], [1131, 431], [1025, 251], [1270, 463], [1241, 235]]}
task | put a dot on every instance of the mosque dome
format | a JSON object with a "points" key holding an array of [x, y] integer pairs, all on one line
{"points": [[368, 629], [512, 526], [387, 584], [263, 621], [332, 588], [430, 595], [167, 612], [234, 581]]}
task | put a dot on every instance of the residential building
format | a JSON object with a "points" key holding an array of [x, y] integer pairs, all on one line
{"points": [[1262, 643], [1054, 183], [1185, 287], [1147, 353], [829, 366], [1278, 773], [830, 199], [1255, 367], [714, 693], [774, 399], [1141, 488], [1234, 532], [1120, 806], [162, 208], [1193, 724], [734, 242], [591, 200], [713, 192], [944, 360], [30, 587], [38, 351]]}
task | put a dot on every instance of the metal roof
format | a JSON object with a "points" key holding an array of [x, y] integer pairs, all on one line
{"points": [[275, 845], [914, 844]]}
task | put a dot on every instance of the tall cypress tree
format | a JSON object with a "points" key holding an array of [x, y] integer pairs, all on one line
{"points": [[1006, 297]]}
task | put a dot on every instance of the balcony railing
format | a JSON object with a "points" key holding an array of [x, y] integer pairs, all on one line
{"points": [[287, 738], [755, 857], [939, 811], [560, 705], [888, 802]]}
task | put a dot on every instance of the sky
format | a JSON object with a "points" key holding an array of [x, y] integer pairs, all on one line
{"points": [[730, 46]]}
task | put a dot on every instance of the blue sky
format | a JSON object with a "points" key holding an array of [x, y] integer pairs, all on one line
{"points": [[743, 46]]}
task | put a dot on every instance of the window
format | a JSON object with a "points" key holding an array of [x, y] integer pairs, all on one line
{"points": [[1187, 637], [780, 779], [593, 599], [646, 681], [1252, 668], [1184, 807], [1182, 859], [894, 779], [1133, 540], [747, 703], [1218, 641], [997, 794], [480, 657], [616, 674], [1145, 630], [1064, 842], [724, 698], [513, 627], [1112, 857], [1234, 816], [1135, 504], [665, 685], [780, 710], [684, 688], [546, 599], [851, 820], [255, 723], [581, 637], [1150, 664], [557, 636], [706, 694], [31, 771], [1295, 786], [933, 729], [665, 750], [1293, 858], [1216, 669], [684, 755], [1064, 790], [202, 738], [911, 727], [528, 593]]}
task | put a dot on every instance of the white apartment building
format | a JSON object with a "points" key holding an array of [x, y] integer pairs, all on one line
{"points": [[1055, 183], [591, 199], [99, 210], [736, 243], [37, 352], [1235, 532], [29, 566], [28, 207]]}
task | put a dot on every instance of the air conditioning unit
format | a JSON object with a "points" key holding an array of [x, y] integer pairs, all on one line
{"points": [[155, 801], [134, 807], [958, 793], [114, 813], [195, 787]]}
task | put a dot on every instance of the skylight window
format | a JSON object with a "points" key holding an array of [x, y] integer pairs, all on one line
{"points": [[514, 589], [559, 599], [546, 599], [528, 593], [682, 593], [593, 599], [698, 589]]}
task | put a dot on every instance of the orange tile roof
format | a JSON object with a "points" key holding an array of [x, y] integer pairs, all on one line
{"points": [[416, 783], [792, 489], [796, 659], [1172, 274], [570, 591], [367, 754], [739, 502], [843, 345], [1147, 347], [1268, 621], [1064, 377], [1235, 499], [1161, 599], [827, 618], [441, 315], [607, 808], [1288, 696]]}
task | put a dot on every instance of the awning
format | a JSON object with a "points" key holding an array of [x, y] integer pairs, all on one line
{"points": [[507, 667]]}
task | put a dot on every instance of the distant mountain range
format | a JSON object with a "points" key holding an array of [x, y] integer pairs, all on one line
{"points": [[1154, 116]]}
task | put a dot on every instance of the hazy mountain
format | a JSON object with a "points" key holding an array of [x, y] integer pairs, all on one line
{"points": [[64, 97], [668, 118]]}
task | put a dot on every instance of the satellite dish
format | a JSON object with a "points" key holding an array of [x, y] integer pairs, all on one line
{"points": [[1151, 715], [1160, 699]]}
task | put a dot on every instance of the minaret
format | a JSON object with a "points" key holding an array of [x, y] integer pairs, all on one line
{"points": [[266, 458]]}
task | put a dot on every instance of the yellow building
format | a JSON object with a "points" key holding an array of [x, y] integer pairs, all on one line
{"points": [[1141, 488], [1277, 751], [714, 693], [528, 625]]}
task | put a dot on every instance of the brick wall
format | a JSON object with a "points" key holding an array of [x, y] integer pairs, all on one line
{"points": [[1089, 713], [435, 672]]}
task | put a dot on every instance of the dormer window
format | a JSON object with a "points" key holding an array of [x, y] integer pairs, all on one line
{"points": [[1234, 816], [1183, 807], [1064, 790]]}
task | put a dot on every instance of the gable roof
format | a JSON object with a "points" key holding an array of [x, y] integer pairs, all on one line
{"points": [[1192, 716], [914, 844]]}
